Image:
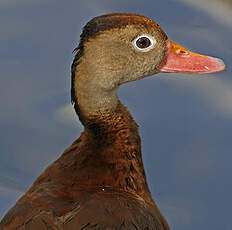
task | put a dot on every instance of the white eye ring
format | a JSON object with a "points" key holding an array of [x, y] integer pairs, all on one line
{"points": [[147, 42]]}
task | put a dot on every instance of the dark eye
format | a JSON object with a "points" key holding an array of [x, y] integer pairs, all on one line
{"points": [[144, 42]]}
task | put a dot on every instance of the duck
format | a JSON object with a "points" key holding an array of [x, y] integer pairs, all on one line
{"points": [[99, 182]]}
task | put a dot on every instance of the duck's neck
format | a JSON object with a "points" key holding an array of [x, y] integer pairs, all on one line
{"points": [[115, 152], [112, 157]]}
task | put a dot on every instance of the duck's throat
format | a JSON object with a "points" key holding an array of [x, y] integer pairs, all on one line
{"points": [[117, 157], [114, 151]]}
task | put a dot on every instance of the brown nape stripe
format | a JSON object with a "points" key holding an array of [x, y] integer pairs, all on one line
{"points": [[75, 63]]}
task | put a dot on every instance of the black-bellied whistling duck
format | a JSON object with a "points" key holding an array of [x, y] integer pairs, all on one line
{"points": [[99, 181]]}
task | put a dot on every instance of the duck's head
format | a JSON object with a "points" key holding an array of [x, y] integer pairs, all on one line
{"points": [[121, 47]]}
